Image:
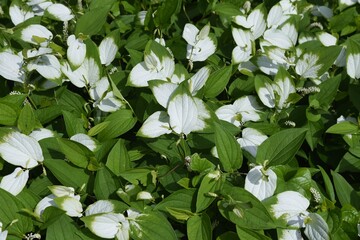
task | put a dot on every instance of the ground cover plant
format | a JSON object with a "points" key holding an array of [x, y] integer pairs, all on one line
{"points": [[179, 119]]}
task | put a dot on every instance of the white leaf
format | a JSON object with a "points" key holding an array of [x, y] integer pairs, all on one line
{"points": [[76, 77], [19, 14], [109, 103], [41, 133], [307, 66], [322, 11], [276, 16], [28, 33], [143, 195], [62, 191], [39, 6], [203, 114], [260, 185], [76, 51], [241, 54], [85, 140], [242, 38], [189, 34], [47, 66], [162, 91], [292, 207], [100, 206], [155, 125], [98, 90], [341, 59], [60, 12], [43, 204], [11, 67], [266, 95], [15, 182], [327, 39], [283, 88], [107, 225], [289, 234], [183, 114], [268, 66], [201, 51], [71, 205], [353, 65], [291, 32], [278, 38], [257, 22], [107, 50], [228, 113], [32, 53], [248, 107], [197, 81], [21, 150], [250, 140], [316, 227]]}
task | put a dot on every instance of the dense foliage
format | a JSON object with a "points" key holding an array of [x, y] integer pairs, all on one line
{"points": [[179, 119]]}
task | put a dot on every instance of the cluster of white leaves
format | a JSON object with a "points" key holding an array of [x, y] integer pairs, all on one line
{"points": [[63, 198], [292, 207], [20, 12], [24, 152], [201, 44], [102, 219]]}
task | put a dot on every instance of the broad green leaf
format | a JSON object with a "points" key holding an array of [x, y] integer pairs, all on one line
{"points": [[66, 173], [217, 81], [350, 161], [210, 184], [9, 211], [120, 122], [152, 226], [242, 208], [98, 128], [73, 123], [8, 114], [199, 227], [92, 21], [118, 160], [27, 120], [228, 149], [181, 199], [164, 13], [315, 133], [180, 214], [250, 234], [138, 176], [75, 152], [281, 147], [71, 100], [345, 192], [63, 229], [228, 236], [106, 184], [328, 91], [345, 127]]}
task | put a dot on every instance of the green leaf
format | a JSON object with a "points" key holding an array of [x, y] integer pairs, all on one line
{"points": [[281, 147], [97, 128], [181, 199], [250, 234], [9, 211], [106, 184], [217, 81], [328, 184], [328, 91], [27, 121], [345, 192], [67, 174], [210, 184], [138, 176], [63, 229], [228, 149], [92, 21], [118, 160], [179, 214], [199, 227], [164, 13], [315, 133], [350, 161], [8, 114], [120, 122], [152, 226], [345, 127], [244, 209], [73, 123], [75, 152]]}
